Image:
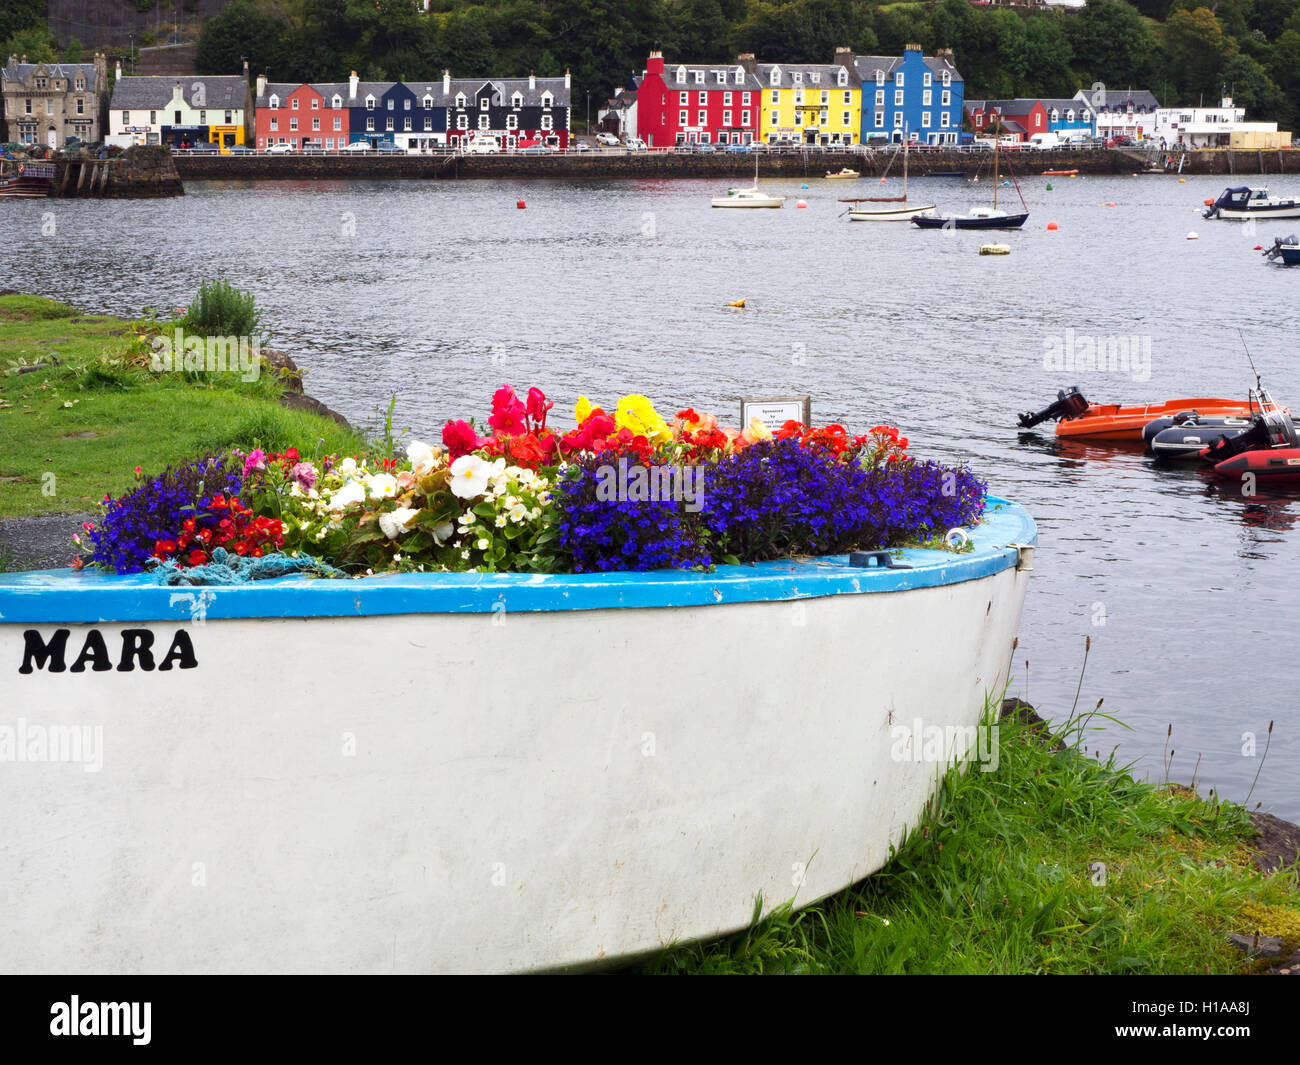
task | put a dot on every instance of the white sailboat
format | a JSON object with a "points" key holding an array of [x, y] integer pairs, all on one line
{"points": [[748, 197], [902, 213]]}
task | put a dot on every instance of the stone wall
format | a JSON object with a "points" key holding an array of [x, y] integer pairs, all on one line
{"points": [[138, 173]]}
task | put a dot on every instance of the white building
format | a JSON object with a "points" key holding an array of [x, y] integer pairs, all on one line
{"points": [[1205, 127], [1122, 112]]}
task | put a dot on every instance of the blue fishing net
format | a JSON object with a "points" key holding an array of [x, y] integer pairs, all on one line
{"points": [[226, 567]]}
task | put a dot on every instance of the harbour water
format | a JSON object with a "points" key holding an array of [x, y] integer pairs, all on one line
{"points": [[438, 292]]}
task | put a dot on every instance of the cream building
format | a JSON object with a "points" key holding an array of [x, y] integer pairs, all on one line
{"points": [[46, 103]]}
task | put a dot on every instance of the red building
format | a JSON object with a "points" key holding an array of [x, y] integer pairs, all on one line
{"points": [[306, 116], [697, 103], [1023, 118]]}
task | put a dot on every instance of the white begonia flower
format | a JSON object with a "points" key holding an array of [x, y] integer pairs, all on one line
{"points": [[501, 521], [518, 512], [350, 493], [469, 476], [382, 485], [394, 523], [348, 465], [482, 544], [442, 533], [422, 456]]}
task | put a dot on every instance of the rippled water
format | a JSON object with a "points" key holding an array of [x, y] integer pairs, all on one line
{"points": [[440, 291]]}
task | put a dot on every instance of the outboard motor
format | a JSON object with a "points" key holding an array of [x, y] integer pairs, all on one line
{"points": [[1278, 242], [1070, 403], [1257, 438]]}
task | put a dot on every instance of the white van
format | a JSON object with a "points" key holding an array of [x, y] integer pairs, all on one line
{"points": [[483, 144], [1044, 141]]}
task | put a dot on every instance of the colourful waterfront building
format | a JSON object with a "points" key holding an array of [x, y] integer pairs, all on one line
{"points": [[183, 113], [911, 96], [694, 103], [1023, 118], [513, 110], [304, 116], [804, 103]]}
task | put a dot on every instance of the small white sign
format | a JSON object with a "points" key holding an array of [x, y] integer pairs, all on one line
{"points": [[775, 411]]}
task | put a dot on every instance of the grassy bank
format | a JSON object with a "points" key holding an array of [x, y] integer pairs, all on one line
{"points": [[78, 427], [1002, 877]]}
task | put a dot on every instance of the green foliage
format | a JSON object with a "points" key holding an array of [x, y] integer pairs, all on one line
{"points": [[221, 310], [1182, 50], [74, 51], [34, 42]]}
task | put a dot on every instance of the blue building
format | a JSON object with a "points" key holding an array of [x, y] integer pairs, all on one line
{"points": [[910, 95], [1067, 117]]}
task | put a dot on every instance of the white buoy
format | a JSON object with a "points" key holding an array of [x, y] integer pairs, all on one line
{"points": [[1193, 235]]}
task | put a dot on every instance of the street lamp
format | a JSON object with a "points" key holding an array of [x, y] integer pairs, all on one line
{"points": [[588, 114], [131, 38]]}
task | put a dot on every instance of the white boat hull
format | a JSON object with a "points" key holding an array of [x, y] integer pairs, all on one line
{"points": [[902, 214], [1261, 213], [492, 790], [738, 201]]}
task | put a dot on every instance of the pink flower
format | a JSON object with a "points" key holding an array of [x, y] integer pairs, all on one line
{"points": [[460, 439], [507, 412], [305, 474], [255, 461], [537, 408]]}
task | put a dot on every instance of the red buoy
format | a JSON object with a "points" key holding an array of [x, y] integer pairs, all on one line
{"points": [[521, 205]]}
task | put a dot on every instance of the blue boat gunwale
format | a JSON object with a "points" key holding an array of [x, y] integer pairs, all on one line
{"points": [[90, 597]]}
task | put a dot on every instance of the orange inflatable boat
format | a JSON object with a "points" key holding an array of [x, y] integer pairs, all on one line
{"points": [[1076, 417]]}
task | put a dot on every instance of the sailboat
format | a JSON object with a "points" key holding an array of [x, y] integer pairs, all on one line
{"points": [[980, 217], [749, 197], [904, 213]]}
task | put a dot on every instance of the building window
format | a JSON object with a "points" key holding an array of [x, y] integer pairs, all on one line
{"points": [[370, 103], [726, 99], [388, 125], [943, 119], [925, 119], [275, 124], [428, 102], [898, 97], [337, 102], [294, 103], [744, 118], [744, 99], [726, 118], [845, 120], [821, 119], [848, 97], [275, 102], [925, 98], [704, 99], [512, 121], [926, 79], [315, 104], [370, 125], [898, 119], [776, 118], [720, 76], [293, 123], [428, 125], [406, 125], [462, 121], [946, 98], [703, 119], [880, 97], [880, 77], [406, 104], [203, 118], [796, 76], [880, 120], [947, 77], [740, 77], [547, 122], [898, 79], [776, 96], [126, 115], [338, 124], [798, 97], [826, 98], [684, 98], [699, 77], [315, 124], [682, 118], [153, 118]]}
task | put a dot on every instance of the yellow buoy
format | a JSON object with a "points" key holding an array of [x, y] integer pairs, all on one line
{"points": [[736, 303], [995, 249]]}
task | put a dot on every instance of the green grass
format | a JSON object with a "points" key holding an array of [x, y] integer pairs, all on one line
{"points": [[996, 879], [77, 430]]}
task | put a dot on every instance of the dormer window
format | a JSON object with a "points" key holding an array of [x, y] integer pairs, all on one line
{"points": [[797, 77], [776, 76], [1056, 115], [460, 99], [699, 77], [81, 84], [880, 77], [337, 102], [681, 75], [427, 101], [370, 103], [947, 77], [274, 102], [842, 78], [517, 100], [1069, 115], [816, 79], [740, 75], [1085, 116], [547, 99]]}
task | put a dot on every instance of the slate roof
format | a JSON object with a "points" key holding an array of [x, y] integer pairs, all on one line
{"points": [[867, 65], [827, 76], [327, 89], [1119, 99], [710, 77], [507, 87], [22, 71], [139, 92]]}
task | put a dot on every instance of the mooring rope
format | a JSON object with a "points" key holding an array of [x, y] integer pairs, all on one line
{"points": [[226, 567]]}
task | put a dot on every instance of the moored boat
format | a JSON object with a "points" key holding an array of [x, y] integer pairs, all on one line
{"points": [[904, 213], [1060, 173], [844, 172], [286, 786], [979, 217], [749, 196], [1285, 248], [1245, 201], [24, 180], [1076, 417]]}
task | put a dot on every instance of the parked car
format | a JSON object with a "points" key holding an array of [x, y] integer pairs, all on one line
{"points": [[280, 149], [241, 149], [389, 148], [738, 147], [693, 146], [636, 144], [356, 147], [579, 146], [536, 149], [607, 139]]}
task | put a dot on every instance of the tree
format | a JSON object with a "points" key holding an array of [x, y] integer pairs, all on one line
{"points": [[1111, 43], [242, 31], [1048, 58], [35, 43], [1196, 50]]}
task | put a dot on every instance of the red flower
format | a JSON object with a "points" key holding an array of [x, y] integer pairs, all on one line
{"points": [[197, 557], [537, 408], [460, 439], [507, 412]]}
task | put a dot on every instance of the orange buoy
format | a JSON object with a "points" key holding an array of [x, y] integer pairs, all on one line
{"points": [[1052, 226], [1259, 247], [1208, 203], [802, 204], [521, 205]]}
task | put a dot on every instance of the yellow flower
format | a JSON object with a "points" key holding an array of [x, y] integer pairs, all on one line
{"points": [[582, 410], [637, 413]]}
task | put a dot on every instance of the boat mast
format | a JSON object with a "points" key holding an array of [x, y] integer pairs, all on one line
{"points": [[904, 162], [997, 137]]}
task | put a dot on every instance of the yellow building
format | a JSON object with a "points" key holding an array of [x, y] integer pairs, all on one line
{"points": [[808, 103]]}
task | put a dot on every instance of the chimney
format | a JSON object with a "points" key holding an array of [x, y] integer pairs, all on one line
{"points": [[655, 64], [261, 85], [245, 69], [746, 60], [844, 57], [532, 80], [1227, 100], [118, 75], [913, 48], [566, 77], [353, 82], [446, 83]]}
